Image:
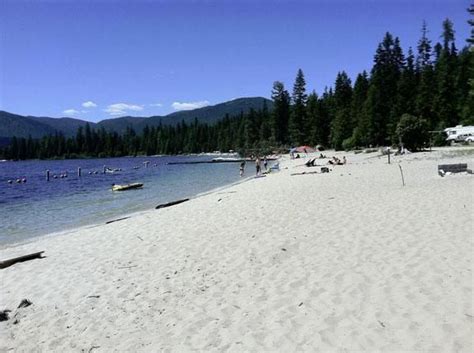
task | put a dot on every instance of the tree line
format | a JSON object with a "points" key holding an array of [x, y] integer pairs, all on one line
{"points": [[402, 99]]}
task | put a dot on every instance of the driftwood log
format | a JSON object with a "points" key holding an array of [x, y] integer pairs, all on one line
{"points": [[116, 220], [304, 173], [453, 168], [9, 262], [172, 203]]}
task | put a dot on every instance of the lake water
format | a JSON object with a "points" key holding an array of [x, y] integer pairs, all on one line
{"points": [[39, 207]]}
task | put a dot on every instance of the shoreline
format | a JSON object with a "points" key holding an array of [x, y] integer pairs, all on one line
{"points": [[346, 260], [30, 234], [64, 232]]}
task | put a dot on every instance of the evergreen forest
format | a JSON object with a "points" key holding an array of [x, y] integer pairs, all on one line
{"points": [[405, 98]]}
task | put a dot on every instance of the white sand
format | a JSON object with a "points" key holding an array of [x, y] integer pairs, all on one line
{"points": [[345, 261]]}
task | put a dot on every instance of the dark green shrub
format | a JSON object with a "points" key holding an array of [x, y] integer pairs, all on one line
{"points": [[412, 132], [349, 143]]}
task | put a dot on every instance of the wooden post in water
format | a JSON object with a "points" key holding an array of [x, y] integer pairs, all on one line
{"points": [[79, 172], [47, 175]]}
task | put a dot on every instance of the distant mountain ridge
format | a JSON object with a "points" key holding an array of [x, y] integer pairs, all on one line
{"points": [[37, 127]]}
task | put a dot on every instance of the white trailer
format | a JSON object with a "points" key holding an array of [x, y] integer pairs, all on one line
{"points": [[459, 133]]}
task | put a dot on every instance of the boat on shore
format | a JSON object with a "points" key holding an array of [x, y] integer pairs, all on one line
{"points": [[117, 187]]}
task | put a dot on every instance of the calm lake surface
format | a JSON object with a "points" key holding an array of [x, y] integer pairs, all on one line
{"points": [[39, 207]]}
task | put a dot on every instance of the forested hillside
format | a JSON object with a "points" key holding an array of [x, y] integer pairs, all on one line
{"points": [[403, 97], [24, 126]]}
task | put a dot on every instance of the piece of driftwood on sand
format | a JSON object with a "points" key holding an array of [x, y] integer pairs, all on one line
{"points": [[453, 168], [172, 203], [9, 262], [116, 220], [304, 173]]}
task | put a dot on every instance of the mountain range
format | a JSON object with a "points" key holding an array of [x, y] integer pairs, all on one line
{"points": [[37, 127]]}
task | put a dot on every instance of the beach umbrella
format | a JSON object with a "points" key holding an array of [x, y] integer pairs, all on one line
{"points": [[304, 149]]}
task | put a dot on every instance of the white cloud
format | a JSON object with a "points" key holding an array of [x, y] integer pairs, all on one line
{"points": [[70, 112], [122, 108], [156, 105], [89, 104], [189, 105]]}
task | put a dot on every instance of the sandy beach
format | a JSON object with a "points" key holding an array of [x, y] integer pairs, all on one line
{"points": [[349, 260]]}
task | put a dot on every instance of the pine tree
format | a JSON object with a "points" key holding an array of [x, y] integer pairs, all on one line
{"points": [[438, 49], [298, 118], [397, 70], [251, 130], [388, 63], [30, 148], [424, 49], [424, 69], [405, 102], [88, 139], [359, 97], [448, 34], [313, 113], [264, 118], [80, 140], [281, 112], [327, 115], [366, 126], [14, 148], [445, 69], [342, 126]]}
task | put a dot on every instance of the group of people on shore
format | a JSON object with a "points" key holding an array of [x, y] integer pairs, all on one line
{"points": [[311, 163], [333, 161], [258, 167], [336, 161]]}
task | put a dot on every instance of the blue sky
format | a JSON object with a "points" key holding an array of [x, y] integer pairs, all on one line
{"points": [[95, 60]]}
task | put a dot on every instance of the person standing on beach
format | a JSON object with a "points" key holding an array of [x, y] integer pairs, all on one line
{"points": [[257, 165], [242, 168], [265, 163]]}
